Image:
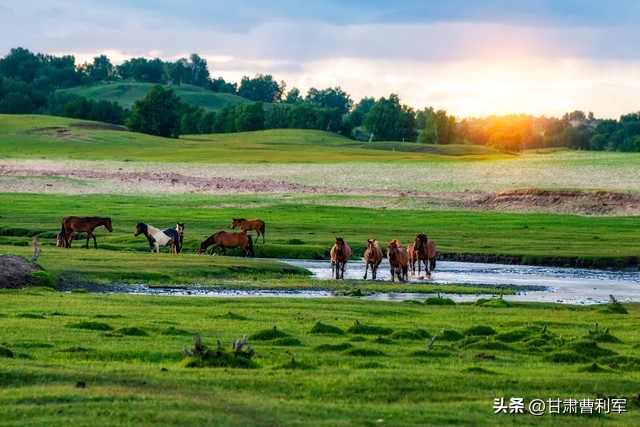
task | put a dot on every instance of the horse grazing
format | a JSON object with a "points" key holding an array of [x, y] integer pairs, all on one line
{"points": [[340, 253], [180, 230], [230, 240], [248, 225], [398, 260], [157, 238], [372, 258], [425, 252], [73, 224]]}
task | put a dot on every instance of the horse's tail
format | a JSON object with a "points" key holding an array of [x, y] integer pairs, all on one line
{"points": [[63, 236], [251, 252]]}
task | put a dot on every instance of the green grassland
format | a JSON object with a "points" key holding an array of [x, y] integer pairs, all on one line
{"points": [[90, 359], [76, 359], [127, 93]]}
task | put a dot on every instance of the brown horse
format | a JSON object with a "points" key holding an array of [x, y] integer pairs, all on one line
{"points": [[398, 260], [372, 258], [425, 252], [73, 224], [340, 253], [248, 225], [60, 239], [226, 239]]}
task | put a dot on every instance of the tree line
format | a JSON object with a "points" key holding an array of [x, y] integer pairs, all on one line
{"points": [[30, 84]]}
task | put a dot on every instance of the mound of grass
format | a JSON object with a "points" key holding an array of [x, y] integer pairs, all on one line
{"points": [[594, 367], [172, 330], [478, 370], [92, 326], [295, 242], [5, 352], [30, 316], [202, 357], [417, 334], [480, 330], [43, 278], [132, 332], [268, 335], [382, 340], [321, 328], [334, 347], [493, 302], [231, 316], [591, 349], [450, 335], [570, 357], [76, 349], [439, 301], [364, 352], [603, 337], [616, 308], [360, 329]]}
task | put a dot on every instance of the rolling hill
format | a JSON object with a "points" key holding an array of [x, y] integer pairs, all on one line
{"points": [[126, 93]]}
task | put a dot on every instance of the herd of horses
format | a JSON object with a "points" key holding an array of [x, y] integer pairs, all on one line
{"points": [[421, 251], [171, 238]]}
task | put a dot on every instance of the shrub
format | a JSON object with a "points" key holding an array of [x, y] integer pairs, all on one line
{"points": [[439, 301]]}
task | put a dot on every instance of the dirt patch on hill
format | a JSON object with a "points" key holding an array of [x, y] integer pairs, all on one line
{"points": [[599, 203], [15, 272], [94, 126]]}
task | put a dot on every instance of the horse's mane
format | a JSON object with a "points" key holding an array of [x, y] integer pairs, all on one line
{"points": [[340, 239], [395, 243], [422, 237], [238, 219]]}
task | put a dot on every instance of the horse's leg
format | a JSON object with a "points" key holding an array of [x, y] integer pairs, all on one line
{"points": [[342, 264], [366, 268], [333, 267], [95, 244]]}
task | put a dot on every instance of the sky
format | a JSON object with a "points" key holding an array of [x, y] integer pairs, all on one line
{"points": [[471, 58]]}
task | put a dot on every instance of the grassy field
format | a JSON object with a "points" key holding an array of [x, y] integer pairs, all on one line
{"points": [[111, 359], [89, 359]]}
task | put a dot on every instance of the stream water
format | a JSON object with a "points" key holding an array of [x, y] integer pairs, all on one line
{"points": [[542, 284]]}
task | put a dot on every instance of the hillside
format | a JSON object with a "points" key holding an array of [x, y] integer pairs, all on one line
{"points": [[36, 136], [126, 93]]}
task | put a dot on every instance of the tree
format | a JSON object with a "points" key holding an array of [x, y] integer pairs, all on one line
{"points": [[101, 69], [158, 113], [261, 88], [331, 98], [293, 97], [389, 121]]}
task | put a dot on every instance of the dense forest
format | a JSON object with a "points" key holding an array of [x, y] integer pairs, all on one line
{"points": [[35, 84]]}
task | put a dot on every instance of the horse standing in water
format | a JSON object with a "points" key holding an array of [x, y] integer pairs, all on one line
{"points": [[73, 224], [248, 225], [340, 253], [226, 239], [425, 252], [413, 257], [372, 258], [398, 260], [157, 238]]}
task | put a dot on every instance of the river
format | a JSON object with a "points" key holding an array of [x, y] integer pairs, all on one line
{"points": [[539, 284]]}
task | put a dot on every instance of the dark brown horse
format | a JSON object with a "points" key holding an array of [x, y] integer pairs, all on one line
{"points": [[413, 257], [227, 239], [248, 225], [398, 260], [340, 254], [425, 252], [372, 258], [73, 224]]}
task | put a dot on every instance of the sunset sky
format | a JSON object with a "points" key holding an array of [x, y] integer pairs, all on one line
{"points": [[468, 57]]}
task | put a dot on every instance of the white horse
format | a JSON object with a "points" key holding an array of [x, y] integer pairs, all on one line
{"points": [[156, 238]]}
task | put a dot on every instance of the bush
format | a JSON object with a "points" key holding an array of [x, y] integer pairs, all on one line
{"points": [[439, 301]]}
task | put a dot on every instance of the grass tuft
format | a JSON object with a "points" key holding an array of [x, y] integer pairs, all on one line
{"points": [[321, 328], [480, 330], [360, 329], [92, 326]]}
